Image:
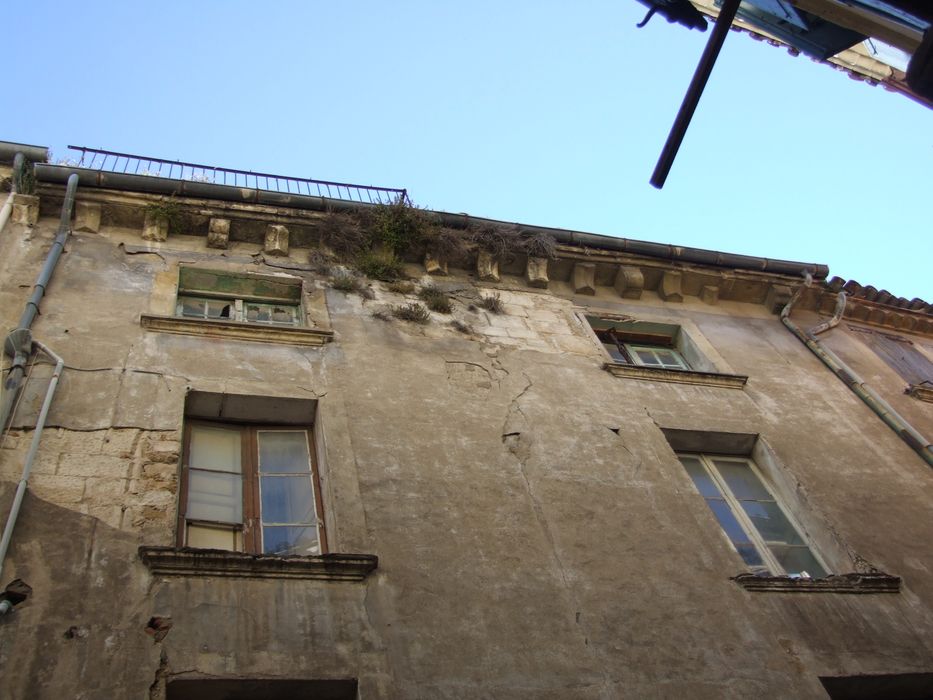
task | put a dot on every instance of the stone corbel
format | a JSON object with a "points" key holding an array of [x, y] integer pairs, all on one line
{"points": [[536, 272], [777, 297], [276, 240], [629, 282], [218, 233], [584, 278], [709, 294], [155, 228], [25, 209], [487, 267], [670, 287], [434, 265], [87, 217]]}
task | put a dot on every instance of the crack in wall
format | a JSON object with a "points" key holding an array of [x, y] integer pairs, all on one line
{"points": [[518, 441]]}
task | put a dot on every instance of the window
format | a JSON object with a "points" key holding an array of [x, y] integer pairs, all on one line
{"points": [[249, 487], [902, 355], [755, 522], [640, 343], [247, 298]]}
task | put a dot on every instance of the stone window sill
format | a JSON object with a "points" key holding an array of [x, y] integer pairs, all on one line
{"points": [[677, 376], [169, 561], [840, 583], [923, 393], [236, 330]]}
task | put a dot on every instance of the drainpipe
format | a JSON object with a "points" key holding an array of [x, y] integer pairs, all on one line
{"points": [[20, 350], [30, 457], [896, 422], [19, 163]]}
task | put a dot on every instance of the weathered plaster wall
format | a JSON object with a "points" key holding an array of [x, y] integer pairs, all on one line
{"points": [[537, 536]]}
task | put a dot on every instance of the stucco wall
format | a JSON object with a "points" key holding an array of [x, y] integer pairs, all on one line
{"points": [[537, 536]]}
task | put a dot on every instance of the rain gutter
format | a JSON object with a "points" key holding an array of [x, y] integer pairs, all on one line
{"points": [[207, 190], [17, 344], [882, 408]]}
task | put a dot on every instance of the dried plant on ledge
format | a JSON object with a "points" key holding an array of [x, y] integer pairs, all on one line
{"points": [[435, 299], [413, 312]]}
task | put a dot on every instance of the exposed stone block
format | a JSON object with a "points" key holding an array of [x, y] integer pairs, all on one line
{"points": [[276, 240], [87, 217], [434, 265], [629, 282], [670, 287], [709, 294], [218, 233], [487, 267], [536, 272], [584, 278], [155, 228], [25, 209], [777, 297]]}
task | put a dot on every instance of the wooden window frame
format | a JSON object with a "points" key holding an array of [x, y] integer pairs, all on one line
{"points": [[251, 528], [626, 342]]}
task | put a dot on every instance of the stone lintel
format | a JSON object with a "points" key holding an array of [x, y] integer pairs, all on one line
{"points": [[777, 297], [87, 217], [630, 281], [584, 278], [709, 294], [218, 233], [487, 267], [536, 272], [276, 240], [669, 289], [434, 265], [25, 209], [155, 228]]}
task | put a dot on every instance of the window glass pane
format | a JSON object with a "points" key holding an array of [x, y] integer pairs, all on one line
{"points": [[217, 449], [283, 314], [290, 540], [283, 451], [215, 496], [614, 353], [191, 307], [704, 483], [751, 557], [727, 521], [667, 357], [796, 560], [743, 482], [258, 313], [204, 537], [287, 499], [646, 357], [219, 309], [771, 523]]}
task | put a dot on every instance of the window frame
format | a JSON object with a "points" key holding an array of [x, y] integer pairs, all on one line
{"points": [[250, 530], [771, 566], [627, 343]]}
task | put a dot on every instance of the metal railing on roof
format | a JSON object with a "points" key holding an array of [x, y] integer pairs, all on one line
{"points": [[114, 162]]}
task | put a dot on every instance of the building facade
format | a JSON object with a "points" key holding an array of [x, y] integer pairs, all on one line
{"points": [[613, 469]]}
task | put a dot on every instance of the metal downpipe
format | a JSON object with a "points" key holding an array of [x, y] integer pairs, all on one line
{"points": [[30, 456], [19, 164], [20, 353], [882, 408]]}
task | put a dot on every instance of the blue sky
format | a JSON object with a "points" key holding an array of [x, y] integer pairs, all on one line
{"points": [[549, 113]]}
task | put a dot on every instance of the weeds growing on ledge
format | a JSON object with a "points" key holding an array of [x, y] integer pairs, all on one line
{"points": [[346, 283], [413, 312], [401, 287], [492, 303], [435, 299], [379, 266]]}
